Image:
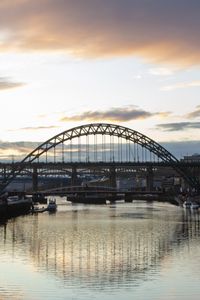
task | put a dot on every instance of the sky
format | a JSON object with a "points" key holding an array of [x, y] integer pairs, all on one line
{"points": [[66, 63]]}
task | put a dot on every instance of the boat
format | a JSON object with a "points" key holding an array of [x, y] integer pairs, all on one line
{"points": [[187, 204], [190, 205], [52, 206], [3, 208], [40, 198], [36, 209], [16, 205], [92, 195], [194, 205], [87, 198]]}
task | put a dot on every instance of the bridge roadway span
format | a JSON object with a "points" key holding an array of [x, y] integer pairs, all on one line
{"points": [[64, 191], [124, 147], [81, 165], [99, 195]]}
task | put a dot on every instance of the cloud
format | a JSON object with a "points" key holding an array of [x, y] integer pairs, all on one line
{"points": [[16, 150], [138, 76], [35, 128], [181, 85], [194, 114], [178, 126], [6, 83], [161, 72], [161, 31], [118, 114], [21, 146]]}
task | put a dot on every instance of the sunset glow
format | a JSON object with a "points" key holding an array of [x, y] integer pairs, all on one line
{"points": [[66, 63]]}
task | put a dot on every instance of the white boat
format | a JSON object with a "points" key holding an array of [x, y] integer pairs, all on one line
{"points": [[17, 200], [187, 204], [194, 205], [52, 206], [190, 205]]}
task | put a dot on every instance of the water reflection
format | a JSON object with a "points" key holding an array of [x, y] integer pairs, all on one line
{"points": [[99, 247], [190, 224]]}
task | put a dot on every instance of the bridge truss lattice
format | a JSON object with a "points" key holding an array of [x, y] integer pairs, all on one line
{"points": [[100, 142]]}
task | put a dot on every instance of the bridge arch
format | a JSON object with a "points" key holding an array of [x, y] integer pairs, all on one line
{"points": [[102, 129]]}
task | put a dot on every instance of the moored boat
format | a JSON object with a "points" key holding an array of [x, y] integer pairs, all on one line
{"points": [[194, 205], [186, 204], [87, 198], [17, 205], [3, 208], [190, 205], [52, 206], [40, 198]]}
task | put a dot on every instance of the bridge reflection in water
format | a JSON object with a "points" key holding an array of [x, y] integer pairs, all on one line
{"points": [[99, 247]]}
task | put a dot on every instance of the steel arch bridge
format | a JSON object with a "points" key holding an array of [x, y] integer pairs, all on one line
{"points": [[111, 142]]}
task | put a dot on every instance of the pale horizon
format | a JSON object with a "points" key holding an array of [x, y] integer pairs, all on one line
{"points": [[67, 64]]}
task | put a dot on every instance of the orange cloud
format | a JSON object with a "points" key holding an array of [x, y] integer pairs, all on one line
{"points": [[179, 126], [6, 84], [194, 114], [160, 31], [116, 114], [17, 150], [181, 85]]}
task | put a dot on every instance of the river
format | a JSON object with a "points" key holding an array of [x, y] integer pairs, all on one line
{"points": [[139, 250]]}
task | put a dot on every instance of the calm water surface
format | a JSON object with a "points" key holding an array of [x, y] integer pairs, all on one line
{"points": [[123, 251]]}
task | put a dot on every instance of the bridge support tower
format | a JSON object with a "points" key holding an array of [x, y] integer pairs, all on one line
{"points": [[149, 179], [128, 198], [112, 177], [113, 183], [35, 179], [74, 178]]}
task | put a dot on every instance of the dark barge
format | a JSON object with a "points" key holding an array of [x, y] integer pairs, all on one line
{"points": [[13, 206]]}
